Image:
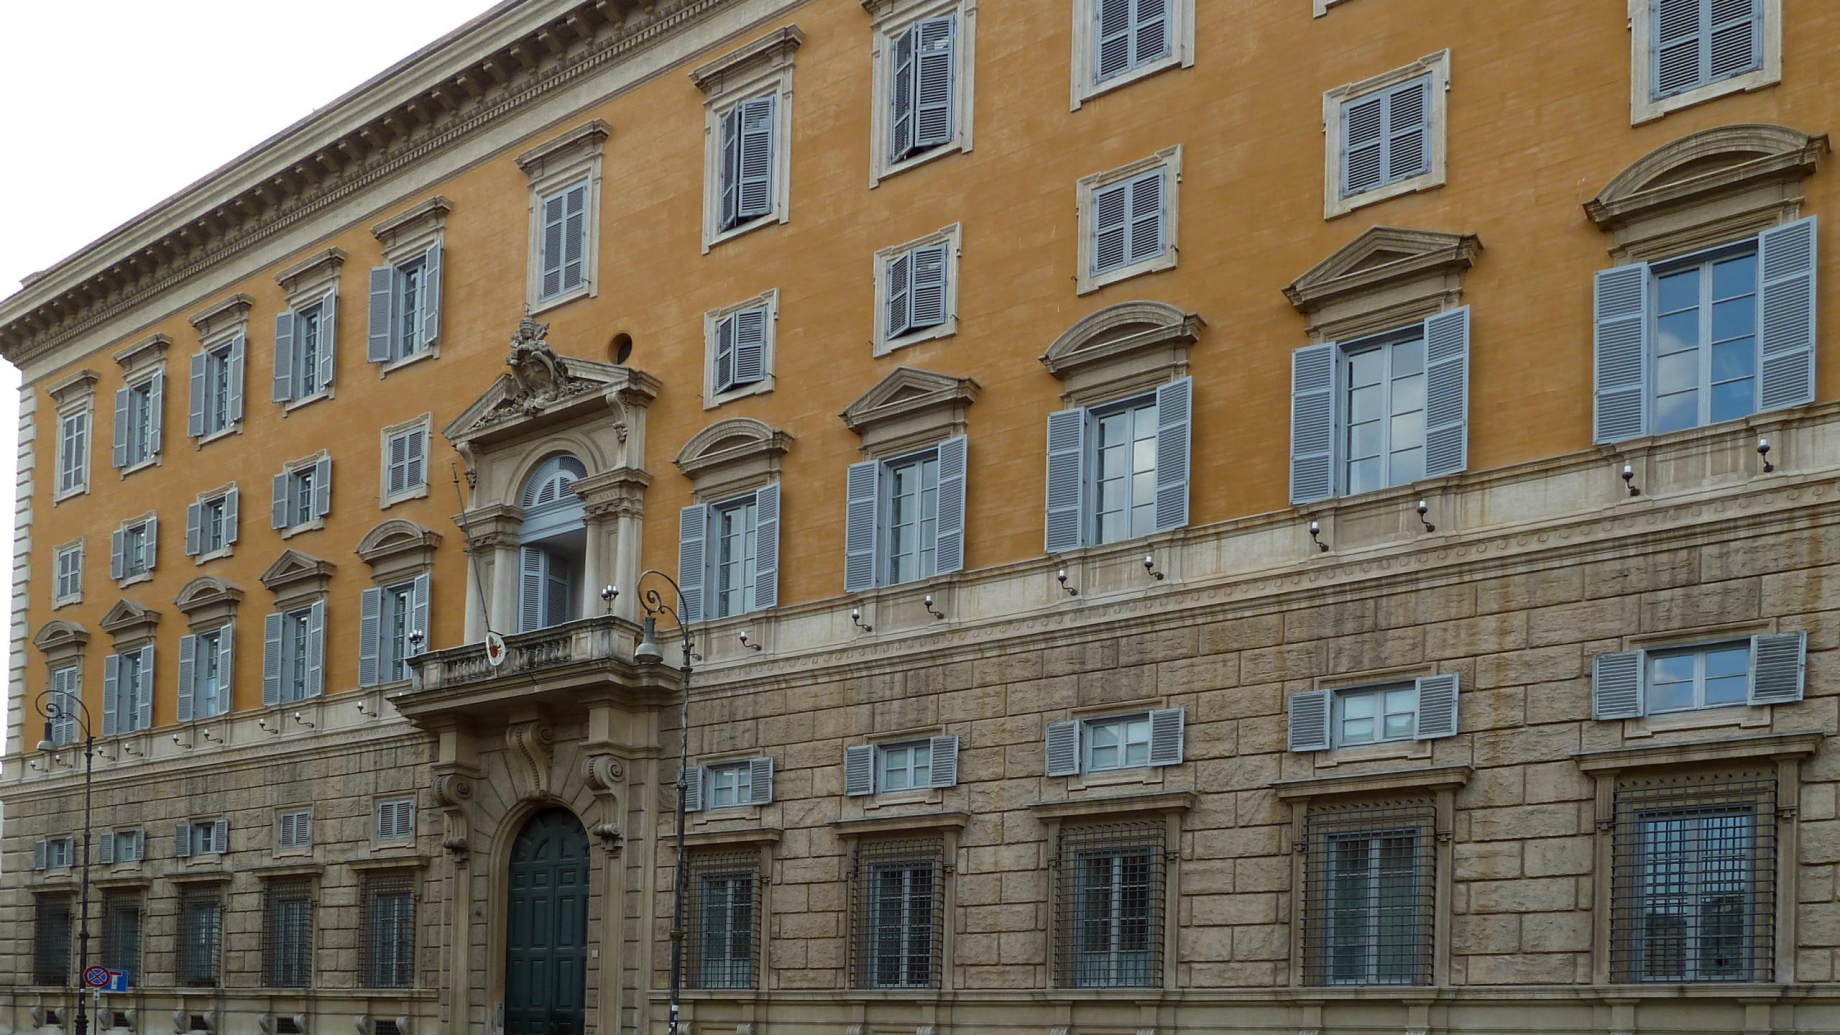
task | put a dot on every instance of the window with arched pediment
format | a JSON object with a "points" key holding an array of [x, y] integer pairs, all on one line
{"points": [[552, 543]]}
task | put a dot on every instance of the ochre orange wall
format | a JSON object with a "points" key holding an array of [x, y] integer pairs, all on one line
{"points": [[1538, 123]]}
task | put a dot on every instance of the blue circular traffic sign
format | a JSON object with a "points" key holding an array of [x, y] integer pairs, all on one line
{"points": [[96, 977]]}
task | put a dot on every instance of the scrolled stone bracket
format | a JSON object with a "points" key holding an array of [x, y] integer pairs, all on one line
{"points": [[454, 793], [530, 745]]}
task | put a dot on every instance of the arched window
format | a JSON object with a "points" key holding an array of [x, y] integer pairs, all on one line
{"points": [[551, 544]]}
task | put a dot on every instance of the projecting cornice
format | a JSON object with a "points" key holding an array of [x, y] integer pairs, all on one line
{"points": [[474, 78]]}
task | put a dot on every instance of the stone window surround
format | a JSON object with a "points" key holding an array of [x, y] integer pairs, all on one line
{"points": [[1145, 776], [208, 603], [305, 283], [140, 363], [291, 468], [217, 325], [1321, 7], [758, 68], [56, 551], [398, 550], [62, 643], [297, 579], [275, 826], [1642, 105], [130, 625], [909, 410], [146, 576], [384, 500], [953, 237], [379, 844], [930, 796], [405, 237], [1083, 69], [1746, 717], [1169, 158], [228, 549], [1660, 207], [949, 827], [1786, 750], [765, 841], [1121, 350], [726, 814], [1437, 65], [1440, 783], [888, 18], [732, 457], [712, 398], [1415, 749], [551, 165], [74, 393], [1345, 296]]}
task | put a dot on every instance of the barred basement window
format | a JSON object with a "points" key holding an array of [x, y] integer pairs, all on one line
{"points": [[201, 932], [51, 940], [387, 944], [1108, 905], [287, 934], [895, 915], [1369, 893], [724, 917], [121, 934], [1693, 893]]}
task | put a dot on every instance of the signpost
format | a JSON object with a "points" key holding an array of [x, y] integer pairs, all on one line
{"points": [[102, 979]]}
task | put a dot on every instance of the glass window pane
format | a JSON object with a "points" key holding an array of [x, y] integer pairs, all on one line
{"points": [[1398, 726], [1670, 696], [1728, 661], [1366, 368], [1734, 318], [1678, 372], [1357, 731], [1364, 475], [1408, 393], [1407, 466], [1409, 357], [1678, 290], [1734, 277], [1727, 690], [1358, 706], [1737, 358], [1368, 403], [1364, 439], [1677, 331], [1674, 412], [1409, 429], [1733, 399]]}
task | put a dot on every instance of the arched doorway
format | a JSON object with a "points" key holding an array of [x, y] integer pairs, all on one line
{"points": [[552, 544], [546, 943]]}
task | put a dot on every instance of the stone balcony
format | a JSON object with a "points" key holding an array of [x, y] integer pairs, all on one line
{"points": [[579, 662]]}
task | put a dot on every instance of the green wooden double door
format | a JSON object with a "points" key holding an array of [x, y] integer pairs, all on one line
{"points": [[546, 945]]}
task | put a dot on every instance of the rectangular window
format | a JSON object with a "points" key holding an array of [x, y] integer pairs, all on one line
{"points": [[1385, 406], [1124, 447], [922, 92], [723, 917], [916, 290], [741, 349], [747, 161], [134, 682], [1386, 136], [904, 767], [1109, 892], [736, 542], [137, 549], [215, 405], [1705, 340], [213, 525], [60, 853], [1699, 677], [913, 517], [728, 786], [300, 493], [396, 648], [1700, 42], [387, 942], [1375, 715], [68, 563], [896, 914], [124, 846], [294, 829], [308, 327], [141, 403], [207, 836], [287, 934], [121, 934], [411, 282], [51, 925], [1369, 884], [1128, 220], [1104, 744], [296, 653], [211, 683], [1693, 893], [1131, 34], [73, 451], [405, 462], [200, 938], [66, 684], [1118, 742], [564, 243], [396, 819]]}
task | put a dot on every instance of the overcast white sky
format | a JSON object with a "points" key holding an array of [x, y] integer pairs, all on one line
{"points": [[110, 107]]}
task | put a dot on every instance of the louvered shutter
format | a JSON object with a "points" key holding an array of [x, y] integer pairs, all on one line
{"points": [[1173, 409], [120, 458], [303, 829], [40, 850], [220, 835], [188, 676], [328, 341], [105, 850], [756, 196], [1779, 664], [418, 614], [194, 522], [182, 840], [1166, 726], [1363, 144], [928, 299], [1146, 198], [1113, 37], [284, 357], [156, 412], [271, 659], [558, 590], [730, 181], [949, 548], [111, 694], [1786, 255], [1149, 31], [316, 648], [231, 516], [431, 295], [861, 531], [750, 347], [693, 789], [226, 670], [766, 547], [760, 780], [692, 559], [1437, 706], [279, 516], [396, 465], [415, 467], [901, 95], [370, 635], [1675, 45], [1408, 130], [725, 353], [1616, 685], [575, 238], [117, 553], [1063, 749], [284, 833], [900, 283], [1066, 495], [943, 751], [322, 487], [1622, 330], [859, 770], [194, 425], [381, 321], [1308, 721], [143, 690], [553, 219], [1111, 227], [1447, 393], [153, 543], [933, 82], [1736, 43], [1313, 406], [239, 358], [530, 588]]}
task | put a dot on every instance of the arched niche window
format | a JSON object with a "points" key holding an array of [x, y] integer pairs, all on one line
{"points": [[552, 544]]}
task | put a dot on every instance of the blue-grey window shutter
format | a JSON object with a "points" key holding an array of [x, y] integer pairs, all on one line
{"points": [[194, 425], [40, 849], [1110, 223], [156, 411], [949, 551], [230, 516], [111, 695], [928, 301], [418, 613], [381, 323], [756, 197], [1622, 319], [271, 659], [859, 770], [692, 559], [105, 851], [279, 516], [901, 96], [226, 669], [1616, 685], [239, 349], [322, 487], [182, 839], [121, 428], [1447, 392], [900, 283], [933, 82], [220, 835], [1147, 232], [1786, 255], [328, 340], [766, 547], [1437, 706], [1166, 726], [316, 648], [731, 167], [725, 353], [1174, 403], [370, 635], [188, 676], [860, 533], [554, 216], [1779, 664], [1062, 752], [943, 750], [284, 357], [1114, 37], [760, 780], [431, 295], [1408, 130], [1676, 36], [1736, 40], [750, 346], [143, 691], [1363, 144], [531, 574], [693, 789], [1313, 407], [1066, 519], [117, 553], [575, 238], [1149, 31], [1308, 721], [153, 543], [194, 521]]}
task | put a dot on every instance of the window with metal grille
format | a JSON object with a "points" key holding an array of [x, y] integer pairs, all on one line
{"points": [[724, 920], [895, 916], [1693, 893], [287, 934], [1108, 905], [387, 943], [201, 933], [121, 934], [51, 940], [1369, 893]]}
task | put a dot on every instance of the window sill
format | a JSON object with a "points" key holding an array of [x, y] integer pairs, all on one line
{"points": [[1093, 282], [1173, 801], [59, 497], [1432, 778], [395, 847], [763, 386], [738, 837], [394, 861], [1342, 204], [927, 821], [141, 465], [722, 813], [543, 305], [1649, 109], [309, 526], [129, 580], [234, 429], [944, 330], [203, 870], [1144, 775], [66, 601], [1387, 751], [294, 404], [742, 228], [897, 799], [403, 497], [214, 555], [1751, 747], [1087, 91], [1745, 716], [293, 853], [429, 352], [883, 172]]}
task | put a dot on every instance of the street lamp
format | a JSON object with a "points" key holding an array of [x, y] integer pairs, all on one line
{"points": [[57, 706], [649, 652]]}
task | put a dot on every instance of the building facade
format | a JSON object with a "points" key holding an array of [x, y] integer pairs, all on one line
{"points": [[1322, 520]]}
